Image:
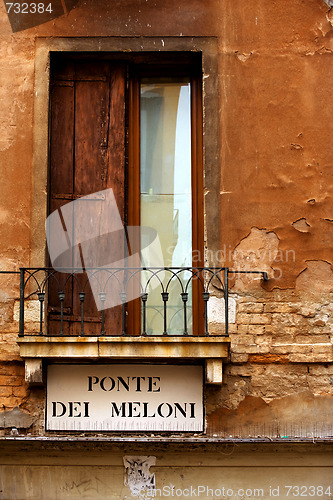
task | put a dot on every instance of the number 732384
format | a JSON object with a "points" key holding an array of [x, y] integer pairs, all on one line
{"points": [[28, 8], [308, 491]]}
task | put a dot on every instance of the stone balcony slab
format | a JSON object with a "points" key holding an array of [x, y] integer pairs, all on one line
{"points": [[213, 350]]}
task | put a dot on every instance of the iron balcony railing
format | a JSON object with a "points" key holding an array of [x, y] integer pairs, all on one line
{"points": [[70, 302]]}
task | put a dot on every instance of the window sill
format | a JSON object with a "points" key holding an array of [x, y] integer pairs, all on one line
{"points": [[214, 350]]}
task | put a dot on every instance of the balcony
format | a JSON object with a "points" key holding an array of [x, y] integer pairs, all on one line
{"points": [[133, 314]]}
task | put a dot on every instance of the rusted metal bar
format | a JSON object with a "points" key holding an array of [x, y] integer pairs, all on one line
{"points": [[21, 325], [184, 299], [226, 301], [165, 297], [175, 313]]}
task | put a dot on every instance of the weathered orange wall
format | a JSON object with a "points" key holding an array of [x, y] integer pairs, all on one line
{"points": [[275, 107], [276, 69]]}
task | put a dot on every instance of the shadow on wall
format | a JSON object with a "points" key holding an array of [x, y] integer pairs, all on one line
{"points": [[23, 16]]}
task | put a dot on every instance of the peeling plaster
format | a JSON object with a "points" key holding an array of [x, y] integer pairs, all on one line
{"points": [[216, 309], [296, 146], [295, 415], [31, 310], [301, 225], [317, 278], [243, 57], [15, 418], [329, 15], [256, 252], [138, 477], [324, 315]]}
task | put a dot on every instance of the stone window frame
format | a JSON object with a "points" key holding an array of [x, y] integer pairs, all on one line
{"points": [[212, 350], [208, 46]]}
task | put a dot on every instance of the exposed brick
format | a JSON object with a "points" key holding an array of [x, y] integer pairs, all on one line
{"points": [[279, 385], [325, 330], [322, 348], [260, 319], [291, 348], [253, 319], [9, 352], [241, 339], [253, 348], [31, 311], [312, 339], [320, 381], [242, 371], [232, 328], [11, 402], [281, 338], [217, 329], [251, 307], [5, 391], [321, 370], [239, 358], [291, 330], [262, 341], [268, 358], [287, 371], [257, 329], [21, 391], [310, 358], [9, 328], [281, 307], [283, 320], [274, 352], [281, 349], [274, 329], [12, 369], [243, 319], [11, 380], [319, 322], [31, 327], [6, 313], [242, 329], [264, 347], [308, 312]]}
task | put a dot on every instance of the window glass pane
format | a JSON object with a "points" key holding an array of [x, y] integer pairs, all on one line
{"points": [[166, 188]]}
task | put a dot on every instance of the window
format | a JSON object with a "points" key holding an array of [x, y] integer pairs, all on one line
{"points": [[132, 123], [166, 188]]}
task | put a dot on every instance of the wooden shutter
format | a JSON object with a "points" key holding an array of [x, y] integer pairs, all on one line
{"points": [[87, 155]]}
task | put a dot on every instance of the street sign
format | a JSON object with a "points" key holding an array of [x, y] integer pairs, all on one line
{"points": [[131, 397]]}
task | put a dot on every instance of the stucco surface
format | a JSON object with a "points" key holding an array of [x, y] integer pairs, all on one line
{"points": [[272, 186]]}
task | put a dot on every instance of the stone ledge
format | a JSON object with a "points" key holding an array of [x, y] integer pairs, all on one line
{"points": [[124, 347], [215, 349]]}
